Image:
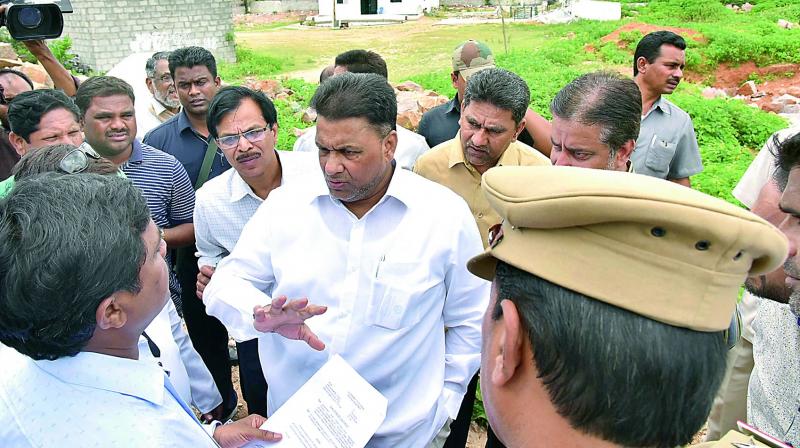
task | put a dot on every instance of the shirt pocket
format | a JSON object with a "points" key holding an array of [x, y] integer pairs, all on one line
{"points": [[659, 156], [395, 287]]}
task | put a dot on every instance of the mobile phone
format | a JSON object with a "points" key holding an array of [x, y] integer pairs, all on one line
{"points": [[761, 436]]}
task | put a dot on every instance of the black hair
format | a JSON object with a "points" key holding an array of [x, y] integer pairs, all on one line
{"points": [[650, 46], [358, 95], [150, 65], [500, 88], [26, 110], [99, 87], [787, 157], [363, 61], [66, 244], [611, 373], [228, 99], [189, 57], [605, 99]]}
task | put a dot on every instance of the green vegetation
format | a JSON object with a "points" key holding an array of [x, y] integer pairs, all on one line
{"points": [[729, 131], [250, 63]]}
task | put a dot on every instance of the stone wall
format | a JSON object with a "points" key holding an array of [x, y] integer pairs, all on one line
{"points": [[103, 32]]}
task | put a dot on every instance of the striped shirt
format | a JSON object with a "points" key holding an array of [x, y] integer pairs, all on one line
{"points": [[169, 194]]}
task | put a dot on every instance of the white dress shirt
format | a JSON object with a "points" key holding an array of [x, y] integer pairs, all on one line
{"points": [[392, 281], [187, 371], [225, 203], [410, 145], [92, 400]]}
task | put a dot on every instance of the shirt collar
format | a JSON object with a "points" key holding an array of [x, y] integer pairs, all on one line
{"points": [[136, 154], [453, 105], [158, 108], [183, 122], [240, 188], [398, 187], [662, 104], [137, 378]]}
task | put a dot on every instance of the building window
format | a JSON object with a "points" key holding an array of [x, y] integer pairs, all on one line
{"points": [[340, 2], [395, 1]]}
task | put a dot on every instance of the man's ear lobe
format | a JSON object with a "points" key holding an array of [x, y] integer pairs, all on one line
{"points": [[510, 339], [110, 314], [19, 143]]}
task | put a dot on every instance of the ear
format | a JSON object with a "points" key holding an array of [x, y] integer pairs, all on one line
{"points": [[274, 130], [454, 79], [510, 342], [641, 64], [389, 145], [520, 127], [624, 153], [217, 81], [149, 83], [19, 143], [110, 315]]}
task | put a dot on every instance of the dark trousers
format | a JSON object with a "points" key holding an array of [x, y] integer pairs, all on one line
{"points": [[210, 339], [208, 335], [251, 377], [459, 428]]}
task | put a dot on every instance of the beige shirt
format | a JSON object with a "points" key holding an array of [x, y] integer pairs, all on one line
{"points": [[445, 164]]}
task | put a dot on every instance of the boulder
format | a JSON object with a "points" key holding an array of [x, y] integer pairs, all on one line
{"points": [[409, 86], [747, 7], [747, 89], [713, 92], [309, 116], [785, 24], [427, 102], [793, 90], [786, 99], [270, 87], [38, 74], [7, 51], [409, 119]]}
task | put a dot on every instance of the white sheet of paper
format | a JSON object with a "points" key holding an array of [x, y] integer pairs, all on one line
{"points": [[336, 408]]}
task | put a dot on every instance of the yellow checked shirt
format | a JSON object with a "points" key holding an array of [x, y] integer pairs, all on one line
{"points": [[445, 165]]}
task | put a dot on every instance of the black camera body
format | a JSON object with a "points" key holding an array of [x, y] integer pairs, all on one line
{"points": [[35, 19]]}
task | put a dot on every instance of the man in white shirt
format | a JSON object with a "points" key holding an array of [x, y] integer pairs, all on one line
{"points": [[385, 250], [244, 124], [82, 275], [163, 103], [410, 145], [772, 395]]}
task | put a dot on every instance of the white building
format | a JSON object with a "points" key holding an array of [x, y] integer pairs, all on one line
{"points": [[373, 10]]}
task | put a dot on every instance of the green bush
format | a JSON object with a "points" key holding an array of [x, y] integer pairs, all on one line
{"points": [[249, 63], [688, 10]]}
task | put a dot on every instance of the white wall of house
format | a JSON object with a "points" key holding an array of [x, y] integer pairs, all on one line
{"points": [[350, 9]]}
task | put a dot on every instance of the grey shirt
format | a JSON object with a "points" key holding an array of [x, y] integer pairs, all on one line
{"points": [[667, 146], [773, 398]]}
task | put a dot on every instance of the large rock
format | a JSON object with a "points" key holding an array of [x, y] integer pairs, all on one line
{"points": [[38, 75], [270, 87], [747, 89], [747, 7], [413, 101], [785, 24], [7, 51]]}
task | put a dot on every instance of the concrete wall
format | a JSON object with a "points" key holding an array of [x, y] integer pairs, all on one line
{"points": [[351, 9], [103, 32]]}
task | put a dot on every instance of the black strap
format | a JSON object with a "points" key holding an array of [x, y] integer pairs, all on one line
{"points": [[154, 350], [205, 168]]}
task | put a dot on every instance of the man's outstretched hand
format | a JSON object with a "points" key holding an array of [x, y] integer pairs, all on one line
{"points": [[244, 431], [288, 320]]}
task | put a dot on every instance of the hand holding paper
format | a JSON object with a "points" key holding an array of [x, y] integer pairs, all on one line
{"points": [[288, 320]]}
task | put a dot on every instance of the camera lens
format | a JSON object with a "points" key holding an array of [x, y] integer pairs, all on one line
{"points": [[30, 17]]}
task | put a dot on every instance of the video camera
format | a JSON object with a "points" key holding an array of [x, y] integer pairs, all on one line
{"points": [[35, 19]]}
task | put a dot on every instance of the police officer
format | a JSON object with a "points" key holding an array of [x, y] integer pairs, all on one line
{"points": [[611, 293]]}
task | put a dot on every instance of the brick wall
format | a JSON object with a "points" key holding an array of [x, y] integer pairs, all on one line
{"points": [[103, 32]]}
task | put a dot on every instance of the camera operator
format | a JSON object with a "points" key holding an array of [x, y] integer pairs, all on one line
{"points": [[13, 82]]}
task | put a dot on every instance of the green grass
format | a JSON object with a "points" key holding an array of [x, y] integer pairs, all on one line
{"points": [[250, 63]]}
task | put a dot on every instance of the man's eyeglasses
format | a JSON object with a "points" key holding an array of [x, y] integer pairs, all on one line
{"points": [[75, 161], [252, 136], [165, 78]]}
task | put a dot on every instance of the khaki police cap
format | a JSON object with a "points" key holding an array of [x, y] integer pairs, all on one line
{"points": [[647, 245], [471, 57]]}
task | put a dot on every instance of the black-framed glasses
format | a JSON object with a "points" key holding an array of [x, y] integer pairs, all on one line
{"points": [[75, 161], [252, 136]]}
